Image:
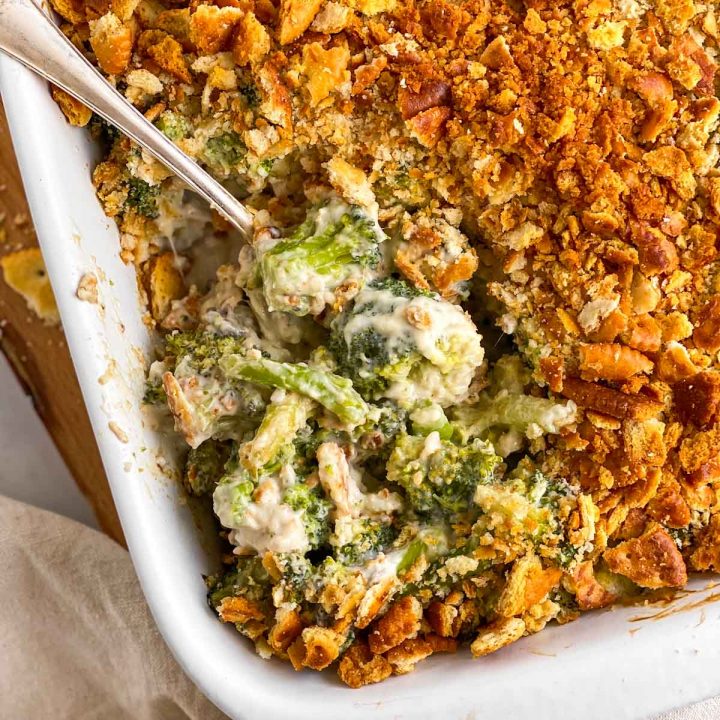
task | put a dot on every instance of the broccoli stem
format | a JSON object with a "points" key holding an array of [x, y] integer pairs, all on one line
{"points": [[327, 253], [280, 425], [507, 410], [332, 391]]}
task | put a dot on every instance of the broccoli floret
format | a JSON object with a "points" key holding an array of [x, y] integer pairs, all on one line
{"points": [[438, 476], [251, 94], [264, 515], [284, 418], [204, 402], [369, 538], [406, 344], [229, 360], [336, 247], [204, 466], [247, 579], [143, 197], [429, 417], [315, 511], [103, 132], [268, 463], [233, 493], [202, 350], [385, 421], [223, 152], [154, 393], [175, 125]]}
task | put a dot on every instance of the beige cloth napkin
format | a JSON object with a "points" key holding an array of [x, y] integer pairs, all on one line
{"points": [[77, 641]]}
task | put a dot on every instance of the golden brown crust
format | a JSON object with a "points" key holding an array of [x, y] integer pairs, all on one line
{"points": [[497, 636], [76, 113], [528, 584], [112, 42], [166, 52], [612, 361], [407, 654], [609, 401], [589, 593], [296, 17], [252, 41], [697, 398], [359, 666], [400, 622], [163, 284], [239, 610], [316, 648], [212, 28], [707, 554], [288, 626], [651, 560]]}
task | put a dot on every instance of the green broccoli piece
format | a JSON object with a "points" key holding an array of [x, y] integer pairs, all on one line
{"points": [[505, 415], [251, 94], [283, 420], [438, 476], [315, 510], [103, 132], [405, 344], [337, 245], [531, 416], [154, 393], [247, 579], [222, 153], [429, 417], [143, 197], [237, 508], [204, 466], [202, 350], [204, 402], [370, 537], [174, 125], [332, 391], [233, 493]]}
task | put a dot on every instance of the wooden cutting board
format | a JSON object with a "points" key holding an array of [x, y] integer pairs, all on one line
{"points": [[40, 358]]}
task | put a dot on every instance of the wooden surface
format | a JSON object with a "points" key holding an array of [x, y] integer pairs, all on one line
{"points": [[39, 355]]}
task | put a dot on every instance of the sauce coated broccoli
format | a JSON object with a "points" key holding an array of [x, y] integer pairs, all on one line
{"points": [[406, 344], [438, 476], [335, 250], [143, 197]]}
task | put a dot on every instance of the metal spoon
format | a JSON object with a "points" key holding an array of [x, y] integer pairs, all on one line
{"points": [[30, 36]]}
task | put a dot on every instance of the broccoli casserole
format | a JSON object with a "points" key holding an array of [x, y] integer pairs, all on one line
{"points": [[463, 380]]}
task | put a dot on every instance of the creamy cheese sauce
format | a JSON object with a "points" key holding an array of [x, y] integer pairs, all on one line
{"points": [[266, 523], [439, 331]]}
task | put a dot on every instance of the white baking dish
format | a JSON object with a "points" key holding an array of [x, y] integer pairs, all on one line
{"points": [[606, 665]]}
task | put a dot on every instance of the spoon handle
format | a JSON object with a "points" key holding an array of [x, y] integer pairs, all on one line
{"points": [[30, 36]]}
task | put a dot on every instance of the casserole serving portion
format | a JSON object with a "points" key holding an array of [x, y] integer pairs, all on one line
{"points": [[421, 175]]}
